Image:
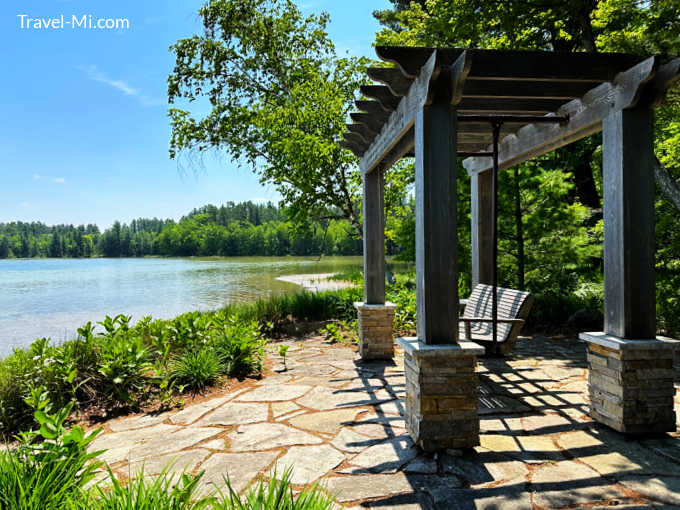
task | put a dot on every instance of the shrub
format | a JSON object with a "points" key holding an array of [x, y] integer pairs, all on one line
{"points": [[196, 370], [123, 363], [238, 346]]}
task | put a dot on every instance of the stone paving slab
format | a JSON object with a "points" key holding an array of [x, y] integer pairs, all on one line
{"points": [[338, 421]]}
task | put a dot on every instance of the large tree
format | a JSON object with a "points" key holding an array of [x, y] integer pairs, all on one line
{"points": [[277, 98], [638, 27]]}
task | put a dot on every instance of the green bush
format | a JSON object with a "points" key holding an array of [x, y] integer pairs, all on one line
{"points": [[122, 365], [195, 370]]}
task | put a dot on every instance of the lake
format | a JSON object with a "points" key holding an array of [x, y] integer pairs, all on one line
{"points": [[53, 297]]}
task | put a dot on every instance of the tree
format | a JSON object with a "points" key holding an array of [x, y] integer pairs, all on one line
{"points": [[641, 28], [279, 96]]}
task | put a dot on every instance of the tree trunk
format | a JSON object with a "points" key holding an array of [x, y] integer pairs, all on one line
{"points": [[668, 185], [584, 182], [519, 230]]}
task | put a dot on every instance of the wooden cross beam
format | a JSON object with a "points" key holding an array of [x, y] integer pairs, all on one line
{"points": [[585, 117]]}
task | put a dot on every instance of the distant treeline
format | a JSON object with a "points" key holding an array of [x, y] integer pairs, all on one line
{"points": [[234, 229]]}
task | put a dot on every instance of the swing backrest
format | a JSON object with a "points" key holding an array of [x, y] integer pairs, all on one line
{"points": [[512, 304]]}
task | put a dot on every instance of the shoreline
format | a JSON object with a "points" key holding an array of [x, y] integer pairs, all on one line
{"points": [[315, 282]]}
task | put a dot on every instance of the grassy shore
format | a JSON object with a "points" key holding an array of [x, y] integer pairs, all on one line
{"points": [[153, 362]]}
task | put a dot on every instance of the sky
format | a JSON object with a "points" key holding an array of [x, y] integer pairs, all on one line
{"points": [[84, 131]]}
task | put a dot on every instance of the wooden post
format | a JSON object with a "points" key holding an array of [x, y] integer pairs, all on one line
{"points": [[482, 218], [436, 234], [374, 237], [628, 181]]}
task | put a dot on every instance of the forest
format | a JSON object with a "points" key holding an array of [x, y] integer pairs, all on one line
{"points": [[233, 229]]}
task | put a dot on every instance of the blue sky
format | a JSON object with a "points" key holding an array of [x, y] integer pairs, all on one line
{"points": [[83, 127]]}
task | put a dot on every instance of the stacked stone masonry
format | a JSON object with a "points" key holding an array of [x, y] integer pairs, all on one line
{"points": [[375, 331], [441, 401], [631, 390]]}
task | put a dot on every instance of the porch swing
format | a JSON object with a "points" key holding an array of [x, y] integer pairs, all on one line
{"points": [[493, 316]]}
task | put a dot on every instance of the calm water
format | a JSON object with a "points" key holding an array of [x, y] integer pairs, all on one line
{"points": [[53, 297]]}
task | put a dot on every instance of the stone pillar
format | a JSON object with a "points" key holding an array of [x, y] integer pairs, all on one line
{"points": [[441, 394], [630, 383], [375, 330], [631, 373]]}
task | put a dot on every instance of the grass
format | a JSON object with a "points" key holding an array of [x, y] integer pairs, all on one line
{"points": [[120, 366]]}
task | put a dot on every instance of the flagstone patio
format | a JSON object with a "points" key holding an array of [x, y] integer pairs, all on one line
{"points": [[337, 421]]}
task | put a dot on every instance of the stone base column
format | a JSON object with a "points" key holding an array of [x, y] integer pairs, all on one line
{"points": [[630, 383], [441, 394], [375, 330]]}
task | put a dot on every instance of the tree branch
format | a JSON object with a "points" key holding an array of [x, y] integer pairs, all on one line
{"points": [[668, 185]]}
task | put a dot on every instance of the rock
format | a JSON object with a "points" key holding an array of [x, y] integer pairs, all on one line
{"points": [[350, 441], [499, 443], [422, 465], [178, 462], [482, 499], [323, 399], [327, 422], [274, 393], [577, 440], [356, 487], [611, 463], [660, 488], [283, 408], [193, 412], [263, 436], [235, 413], [138, 422], [387, 456], [537, 449], [570, 483], [215, 444], [240, 468], [309, 462]]}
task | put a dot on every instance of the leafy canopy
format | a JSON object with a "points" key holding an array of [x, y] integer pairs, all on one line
{"points": [[277, 97]]}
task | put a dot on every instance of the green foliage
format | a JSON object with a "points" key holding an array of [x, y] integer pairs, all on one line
{"points": [[279, 96], [239, 346], [164, 492], [274, 495], [332, 333], [50, 466], [195, 370], [233, 229], [283, 350], [123, 362]]}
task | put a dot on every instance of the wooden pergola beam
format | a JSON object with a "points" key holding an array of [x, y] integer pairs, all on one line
{"points": [[508, 89], [401, 120], [395, 80], [382, 94], [585, 118]]}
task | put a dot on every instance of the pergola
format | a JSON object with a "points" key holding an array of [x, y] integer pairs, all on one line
{"points": [[498, 109]]}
